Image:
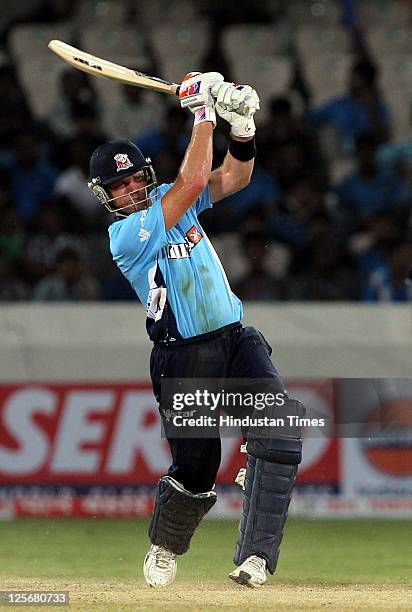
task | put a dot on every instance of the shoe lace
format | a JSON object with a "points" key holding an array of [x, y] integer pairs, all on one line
{"points": [[258, 563], [163, 558]]}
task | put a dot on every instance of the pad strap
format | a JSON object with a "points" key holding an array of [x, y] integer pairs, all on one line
{"points": [[267, 443]]}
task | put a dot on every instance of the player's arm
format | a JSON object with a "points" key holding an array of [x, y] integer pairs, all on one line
{"points": [[194, 173], [236, 104], [233, 174]]}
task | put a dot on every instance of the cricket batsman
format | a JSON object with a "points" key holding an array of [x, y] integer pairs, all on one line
{"points": [[194, 322]]}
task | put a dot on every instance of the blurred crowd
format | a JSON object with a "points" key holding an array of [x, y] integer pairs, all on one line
{"points": [[327, 215]]}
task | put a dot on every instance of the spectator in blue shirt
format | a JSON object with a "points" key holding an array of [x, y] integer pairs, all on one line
{"points": [[387, 282], [32, 177], [362, 109], [370, 189], [398, 154]]}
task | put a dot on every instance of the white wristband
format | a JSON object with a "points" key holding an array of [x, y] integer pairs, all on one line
{"points": [[206, 113]]}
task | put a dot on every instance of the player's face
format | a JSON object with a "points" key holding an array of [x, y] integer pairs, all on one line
{"points": [[129, 190]]}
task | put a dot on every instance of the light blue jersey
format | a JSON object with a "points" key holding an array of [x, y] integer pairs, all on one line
{"points": [[177, 275]]}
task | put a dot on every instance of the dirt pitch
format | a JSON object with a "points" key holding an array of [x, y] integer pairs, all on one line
{"points": [[135, 595]]}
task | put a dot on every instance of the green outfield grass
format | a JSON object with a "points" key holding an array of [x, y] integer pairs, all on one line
{"points": [[316, 552]]}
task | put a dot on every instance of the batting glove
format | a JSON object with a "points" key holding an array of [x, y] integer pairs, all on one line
{"points": [[237, 104], [195, 94]]}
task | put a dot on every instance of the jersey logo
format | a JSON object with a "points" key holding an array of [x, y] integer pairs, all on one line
{"points": [[183, 249], [122, 161], [179, 251], [143, 234], [194, 235]]}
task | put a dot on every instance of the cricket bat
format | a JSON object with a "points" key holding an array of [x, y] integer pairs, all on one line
{"points": [[103, 68], [100, 67]]}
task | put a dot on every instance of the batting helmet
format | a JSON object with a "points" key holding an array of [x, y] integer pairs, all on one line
{"points": [[114, 160]]}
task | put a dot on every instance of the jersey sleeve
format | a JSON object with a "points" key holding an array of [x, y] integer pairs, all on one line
{"points": [[203, 201], [136, 241]]}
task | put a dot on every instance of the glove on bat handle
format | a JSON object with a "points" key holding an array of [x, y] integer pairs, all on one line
{"points": [[242, 110]]}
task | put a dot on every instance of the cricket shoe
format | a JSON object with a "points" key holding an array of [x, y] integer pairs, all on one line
{"points": [[251, 573], [159, 567]]}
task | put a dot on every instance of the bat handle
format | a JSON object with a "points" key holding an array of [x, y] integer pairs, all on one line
{"points": [[245, 110]]}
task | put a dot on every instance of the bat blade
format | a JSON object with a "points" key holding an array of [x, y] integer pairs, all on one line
{"points": [[103, 68]]}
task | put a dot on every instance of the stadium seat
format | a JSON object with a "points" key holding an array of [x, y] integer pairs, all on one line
{"points": [[396, 72], [376, 12], [101, 11], [181, 40], [326, 75], [175, 68], [252, 39], [329, 142], [314, 12], [113, 42], [109, 91], [229, 248], [389, 40], [155, 12], [340, 168], [316, 40], [400, 104], [269, 75], [274, 7], [31, 40], [278, 259], [39, 77]]}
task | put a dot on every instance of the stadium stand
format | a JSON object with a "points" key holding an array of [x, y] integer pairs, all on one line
{"points": [[175, 40], [244, 40], [113, 42], [328, 72], [28, 41], [388, 12], [315, 40], [177, 12]]}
